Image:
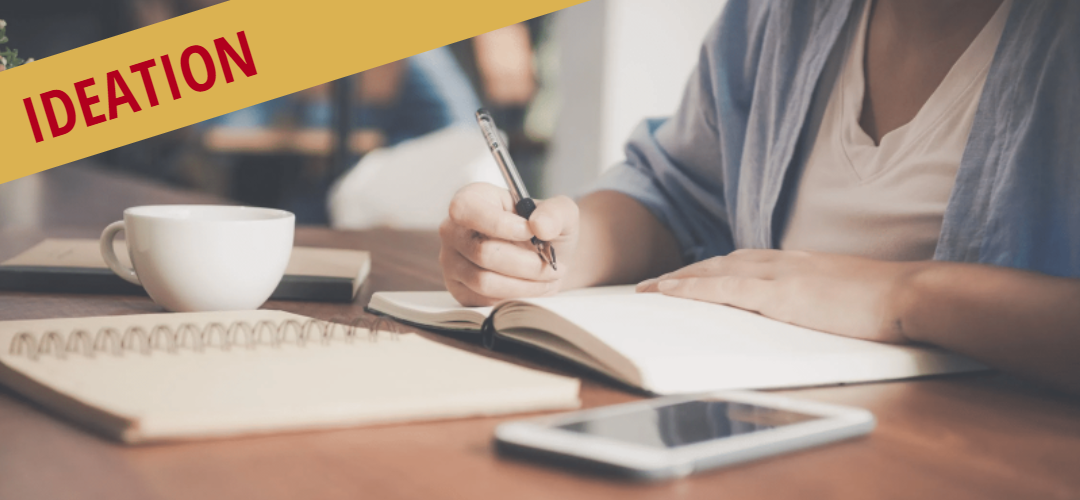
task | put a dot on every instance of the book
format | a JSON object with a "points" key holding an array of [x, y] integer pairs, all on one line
{"points": [[163, 377], [668, 345], [76, 266]]}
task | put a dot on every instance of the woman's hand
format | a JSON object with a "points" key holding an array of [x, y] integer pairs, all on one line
{"points": [[487, 255], [850, 296]]}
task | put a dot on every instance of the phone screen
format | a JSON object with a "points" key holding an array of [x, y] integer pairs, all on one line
{"points": [[687, 423]]}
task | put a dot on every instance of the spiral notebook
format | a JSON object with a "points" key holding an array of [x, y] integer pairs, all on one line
{"points": [[162, 377], [669, 345]]}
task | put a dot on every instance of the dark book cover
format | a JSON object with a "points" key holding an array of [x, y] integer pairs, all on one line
{"points": [[54, 279], [76, 266]]}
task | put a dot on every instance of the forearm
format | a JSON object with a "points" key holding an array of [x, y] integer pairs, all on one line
{"points": [[620, 242], [1021, 322]]}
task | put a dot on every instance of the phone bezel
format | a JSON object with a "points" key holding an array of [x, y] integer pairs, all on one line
{"points": [[543, 434]]}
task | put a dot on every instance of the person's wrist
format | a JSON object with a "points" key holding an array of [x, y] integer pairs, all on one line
{"points": [[907, 291]]}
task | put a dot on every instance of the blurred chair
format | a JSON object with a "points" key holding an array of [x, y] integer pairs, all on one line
{"points": [[280, 148], [409, 185]]}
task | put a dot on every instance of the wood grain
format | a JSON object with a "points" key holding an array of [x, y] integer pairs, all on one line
{"points": [[984, 436]]}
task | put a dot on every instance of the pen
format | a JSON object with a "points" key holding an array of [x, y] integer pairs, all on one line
{"points": [[523, 204]]}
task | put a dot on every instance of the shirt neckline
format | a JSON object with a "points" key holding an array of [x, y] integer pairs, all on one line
{"points": [[969, 70]]}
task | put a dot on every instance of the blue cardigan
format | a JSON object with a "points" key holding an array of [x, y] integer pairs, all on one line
{"points": [[722, 171]]}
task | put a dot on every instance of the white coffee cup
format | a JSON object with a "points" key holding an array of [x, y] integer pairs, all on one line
{"points": [[203, 257]]}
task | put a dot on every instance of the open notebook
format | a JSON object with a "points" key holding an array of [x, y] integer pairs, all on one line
{"points": [[196, 375], [668, 345]]}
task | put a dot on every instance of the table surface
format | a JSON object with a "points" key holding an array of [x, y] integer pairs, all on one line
{"points": [[975, 436]]}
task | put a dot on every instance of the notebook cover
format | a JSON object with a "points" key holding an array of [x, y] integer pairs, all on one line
{"points": [[58, 279], [75, 266], [255, 372]]}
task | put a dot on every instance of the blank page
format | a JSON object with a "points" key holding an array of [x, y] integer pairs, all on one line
{"points": [[680, 345], [441, 310], [434, 309]]}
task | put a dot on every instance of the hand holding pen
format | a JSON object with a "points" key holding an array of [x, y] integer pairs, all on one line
{"points": [[523, 204], [487, 252]]}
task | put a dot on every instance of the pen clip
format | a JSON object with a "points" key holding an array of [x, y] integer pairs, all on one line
{"points": [[502, 156], [487, 128]]}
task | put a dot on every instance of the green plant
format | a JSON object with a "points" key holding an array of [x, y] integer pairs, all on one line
{"points": [[9, 57]]}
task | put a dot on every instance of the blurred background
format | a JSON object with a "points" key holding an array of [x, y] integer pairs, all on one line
{"points": [[390, 146]]}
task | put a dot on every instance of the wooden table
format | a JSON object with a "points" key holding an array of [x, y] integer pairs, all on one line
{"points": [[983, 436]]}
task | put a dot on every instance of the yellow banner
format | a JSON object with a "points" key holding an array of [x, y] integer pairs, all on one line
{"points": [[215, 61]]}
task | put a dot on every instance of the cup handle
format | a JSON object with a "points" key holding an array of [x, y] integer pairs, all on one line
{"points": [[107, 237]]}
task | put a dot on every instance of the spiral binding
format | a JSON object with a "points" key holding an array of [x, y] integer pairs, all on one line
{"points": [[189, 336]]}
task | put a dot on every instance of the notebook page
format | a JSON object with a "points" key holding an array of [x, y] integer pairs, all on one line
{"points": [[682, 345], [218, 392], [435, 309], [441, 310]]}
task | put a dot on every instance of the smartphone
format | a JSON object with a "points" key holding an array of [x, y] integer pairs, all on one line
{"points": [[678, 435]]}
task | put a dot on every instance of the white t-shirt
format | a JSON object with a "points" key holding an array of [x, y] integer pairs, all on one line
{"points": [[887, 201]]}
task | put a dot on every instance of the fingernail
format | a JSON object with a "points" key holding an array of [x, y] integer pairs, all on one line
{"points": [[644, 284], [668, 285]]}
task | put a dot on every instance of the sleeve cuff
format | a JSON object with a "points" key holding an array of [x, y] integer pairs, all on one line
{"points": [[633, 182]]}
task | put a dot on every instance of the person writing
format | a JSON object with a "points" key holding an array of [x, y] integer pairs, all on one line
{"points": [[893, 170]]}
